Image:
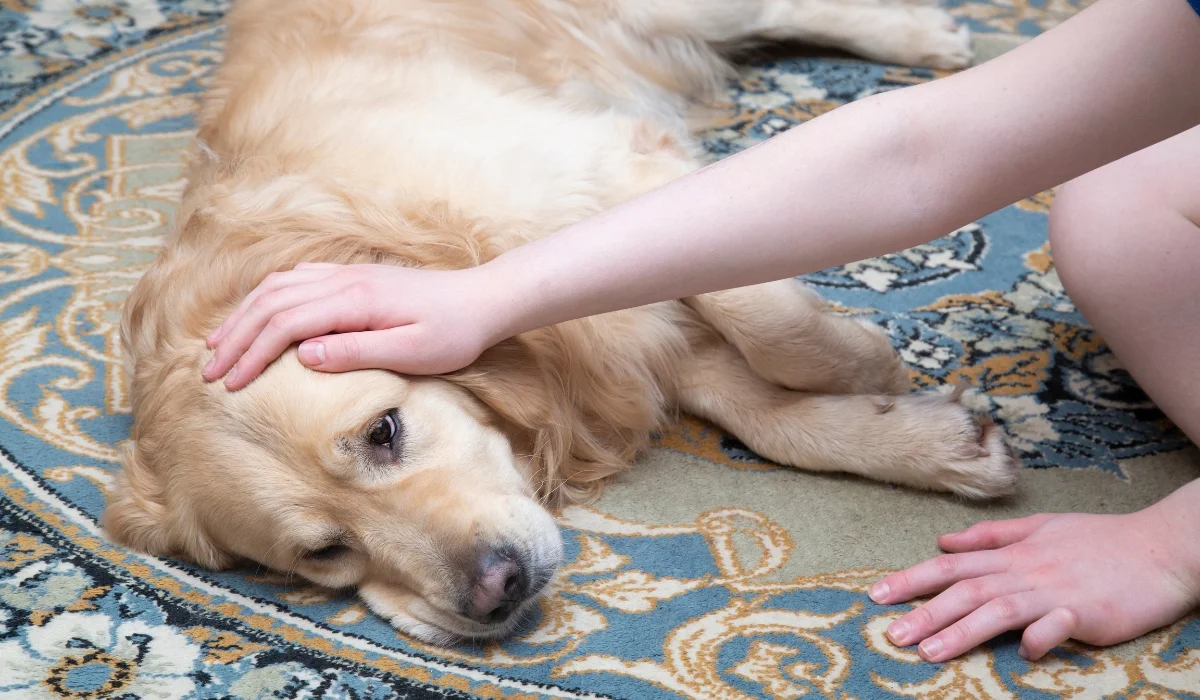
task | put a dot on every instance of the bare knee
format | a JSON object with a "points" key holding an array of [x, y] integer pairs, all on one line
{"points": [[1094, 226]]}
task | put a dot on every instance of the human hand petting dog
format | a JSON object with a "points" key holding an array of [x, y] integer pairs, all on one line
{"points": [[349, 317], [1098, 579]]}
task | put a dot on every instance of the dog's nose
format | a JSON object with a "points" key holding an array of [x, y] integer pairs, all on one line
{"points": [[501, 587]]}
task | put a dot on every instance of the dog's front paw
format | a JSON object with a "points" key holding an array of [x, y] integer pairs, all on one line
{"points": [[935, 40], [961, 451], [945, 446], [986, 467]]}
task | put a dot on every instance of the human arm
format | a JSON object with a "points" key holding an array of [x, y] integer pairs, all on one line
{"points": [[879, 175], [876, 176]]}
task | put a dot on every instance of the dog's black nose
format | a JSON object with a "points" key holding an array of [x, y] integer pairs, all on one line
{"points": [[500, 588]]}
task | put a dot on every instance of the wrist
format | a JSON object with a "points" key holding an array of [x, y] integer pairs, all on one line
{"points": [[1178, 518], [502, 302]]}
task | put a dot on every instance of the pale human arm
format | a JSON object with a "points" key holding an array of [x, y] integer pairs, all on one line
{"points": [[875, 176], [879, 175]]}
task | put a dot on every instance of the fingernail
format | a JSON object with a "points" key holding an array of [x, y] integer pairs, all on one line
{"points": [[214, 334], [931, 647], [209, 366], [1021, 652], [898, 632], [229, 378], [312, 353], [879, 592]]}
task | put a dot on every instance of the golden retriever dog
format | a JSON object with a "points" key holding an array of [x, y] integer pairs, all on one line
{"points": [[438, 134]]}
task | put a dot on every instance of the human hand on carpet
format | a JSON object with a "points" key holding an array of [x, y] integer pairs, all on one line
{"points": [[359, 316], [1098, 579]]}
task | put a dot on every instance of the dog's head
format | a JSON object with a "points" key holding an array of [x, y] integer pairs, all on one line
{"points": [[408, 489], [428, 495]]}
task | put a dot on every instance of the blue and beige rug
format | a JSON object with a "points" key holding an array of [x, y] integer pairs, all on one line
{"points": [[703, 574]]}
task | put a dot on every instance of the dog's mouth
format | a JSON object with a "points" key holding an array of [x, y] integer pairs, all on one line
{"points": [[434, 625], [502, 593]]}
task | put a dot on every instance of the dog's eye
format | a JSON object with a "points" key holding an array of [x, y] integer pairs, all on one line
{"points": [[333, 551], [384, 431]]}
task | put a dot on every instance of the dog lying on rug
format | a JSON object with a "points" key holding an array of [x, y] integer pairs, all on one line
{"points": [[440, 133]]}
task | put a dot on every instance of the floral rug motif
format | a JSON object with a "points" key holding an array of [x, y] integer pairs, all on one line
{"points": [[748, 581]]}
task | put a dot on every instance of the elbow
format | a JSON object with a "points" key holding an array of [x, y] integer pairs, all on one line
{"points": [[907, 147]]}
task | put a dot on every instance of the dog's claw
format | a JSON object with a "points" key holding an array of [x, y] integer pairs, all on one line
{"points": [[960, 388]]}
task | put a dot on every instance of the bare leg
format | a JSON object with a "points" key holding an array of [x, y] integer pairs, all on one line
{"points": [[1127, 247]]}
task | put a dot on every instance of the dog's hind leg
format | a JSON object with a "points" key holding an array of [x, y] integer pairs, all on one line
{"points": [[898, 33], [928, 441], [785, 336]]}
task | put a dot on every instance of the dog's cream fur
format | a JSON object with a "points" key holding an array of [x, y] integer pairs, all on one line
{"points": [[440, 133]]}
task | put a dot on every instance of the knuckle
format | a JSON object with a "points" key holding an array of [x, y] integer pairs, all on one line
{"points": [[900, 582], [922, 618], [351, 349], [946, 565], [281, 322], [1069, 616], [986, 531], [975, 592], [360, 291], [275, 280], [1008, 609], [220, 359], [262, 302], [957, 635]]}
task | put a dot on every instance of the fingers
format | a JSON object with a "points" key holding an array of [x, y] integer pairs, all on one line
{"points": [[999, 615], [397, 349], [957, 602], [1054, 628], [303, 274], [935, 575], [274, 315], [325, 314], [992, 534]]}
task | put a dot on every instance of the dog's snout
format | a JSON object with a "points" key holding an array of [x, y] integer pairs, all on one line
{"points": [[500, 588]]}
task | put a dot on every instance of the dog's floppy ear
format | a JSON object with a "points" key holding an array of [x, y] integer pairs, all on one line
{"points": [[137, 515], [508, 379], [527, 382]]}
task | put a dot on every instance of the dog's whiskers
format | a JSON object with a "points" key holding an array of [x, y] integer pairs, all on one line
{"points": [[278, 541], [287, 578]]}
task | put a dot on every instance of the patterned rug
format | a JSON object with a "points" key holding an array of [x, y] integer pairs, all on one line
{"points": [[705, 573]]}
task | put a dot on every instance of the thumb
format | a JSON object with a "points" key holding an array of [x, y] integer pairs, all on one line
{"points": [[397, 349]]}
